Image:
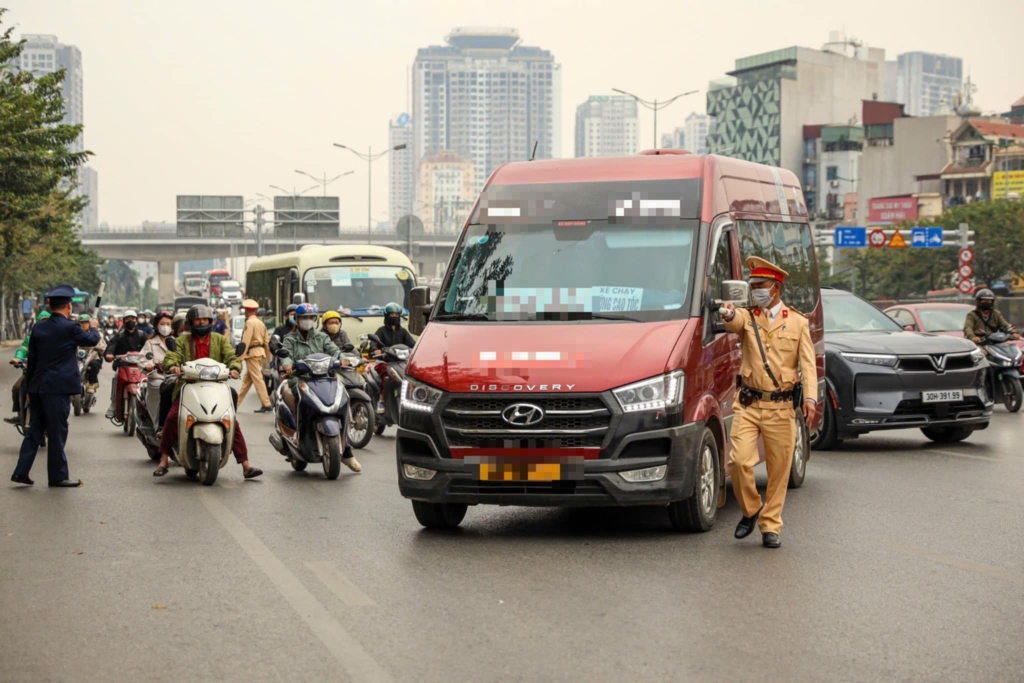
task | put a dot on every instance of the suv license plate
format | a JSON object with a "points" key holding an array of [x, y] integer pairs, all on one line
{"points": [[941, 396]]}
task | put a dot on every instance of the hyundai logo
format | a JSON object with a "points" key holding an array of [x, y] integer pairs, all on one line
{"points": [[522, 414]]}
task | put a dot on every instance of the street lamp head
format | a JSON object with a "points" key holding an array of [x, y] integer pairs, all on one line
{"points": [[341, 146], [398, 147]]}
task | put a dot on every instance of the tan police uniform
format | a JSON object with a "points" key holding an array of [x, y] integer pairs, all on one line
{"points": [[257, 351], [786, 340]]}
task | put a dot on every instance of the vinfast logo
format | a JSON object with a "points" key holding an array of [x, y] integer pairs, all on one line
{"points": [[522, 387]]}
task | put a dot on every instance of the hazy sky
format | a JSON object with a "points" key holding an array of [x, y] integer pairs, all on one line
{"points": [[230, 96]]}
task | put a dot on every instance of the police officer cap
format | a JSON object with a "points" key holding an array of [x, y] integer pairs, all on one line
{"points": [[762, 270], [250, 305], [61, 292]]}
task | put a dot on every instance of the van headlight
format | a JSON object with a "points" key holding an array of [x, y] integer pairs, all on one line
{"points": [[658, 393], [418, 396]]}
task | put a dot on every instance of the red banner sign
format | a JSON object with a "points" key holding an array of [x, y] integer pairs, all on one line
{"points": [[892, 209]]}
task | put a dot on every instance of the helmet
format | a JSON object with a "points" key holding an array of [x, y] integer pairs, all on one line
{"points": [[331, 315], [43, 315], [149, 313], [177, 319], [260, 311], [84, 318], [196, 313], [984, 294], [130, 313], [269, 312], [291, 308], [305, 309], [392, 308]]}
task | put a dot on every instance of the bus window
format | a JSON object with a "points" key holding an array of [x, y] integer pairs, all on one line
{"points": [[359, 289]]}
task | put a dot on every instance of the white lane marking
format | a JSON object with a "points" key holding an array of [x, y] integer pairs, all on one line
{"points": [[339, 584], [961, 455], [959, 563], [349, 654]]}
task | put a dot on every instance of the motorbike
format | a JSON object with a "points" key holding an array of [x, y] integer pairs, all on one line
{"points": [[1003, 377], [147, 410], [390, 368], [363, 408], [206, 420], [129, 376], [83, 402], [318, 431], [25, 414]]}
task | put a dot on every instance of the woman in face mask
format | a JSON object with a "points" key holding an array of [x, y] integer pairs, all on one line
{"points": [[159, 343], [332, 326]]}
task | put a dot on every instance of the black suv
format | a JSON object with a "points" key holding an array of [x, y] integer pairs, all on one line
{"points": [[880, 376]]}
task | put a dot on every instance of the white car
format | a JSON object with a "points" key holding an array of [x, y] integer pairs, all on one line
{"points": [[237, 325], [230, 292]]}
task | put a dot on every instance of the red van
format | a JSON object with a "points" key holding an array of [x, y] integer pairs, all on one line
{"points": [[574, 356]]}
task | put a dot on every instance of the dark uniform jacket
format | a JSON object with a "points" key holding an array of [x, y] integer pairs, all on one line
{"points": [[976, 326], [53, 356]]}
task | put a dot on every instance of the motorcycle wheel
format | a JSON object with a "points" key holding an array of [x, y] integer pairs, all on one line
{"points": [[359, 436], [331, 459], [299, 465], [129, 418], [1013, 394], [209, 463], [379, 429], [76, 403]]}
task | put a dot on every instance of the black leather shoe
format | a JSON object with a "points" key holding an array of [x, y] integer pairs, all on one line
{"points": [[747, 524], [264, 409], [771, 540], [66, 484], [22, 479]]}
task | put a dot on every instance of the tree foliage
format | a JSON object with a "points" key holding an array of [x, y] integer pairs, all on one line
{"points": [[911, 273], [39, 211]]}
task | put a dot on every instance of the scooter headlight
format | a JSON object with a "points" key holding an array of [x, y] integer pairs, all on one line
{"points": [[319, 366], [401, 354], [209, 373], [419, 396]]}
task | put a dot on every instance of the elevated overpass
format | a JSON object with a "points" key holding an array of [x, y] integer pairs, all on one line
{"points": [[167, 248]]}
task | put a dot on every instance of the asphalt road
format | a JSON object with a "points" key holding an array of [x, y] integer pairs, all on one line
{"points": [[901, 562]]}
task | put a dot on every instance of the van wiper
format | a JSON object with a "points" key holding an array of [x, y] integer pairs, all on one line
{"points": [[461, 316], [612, 316]]}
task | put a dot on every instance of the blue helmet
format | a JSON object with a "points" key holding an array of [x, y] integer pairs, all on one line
{"points": [[392, 308], [305, 309]]}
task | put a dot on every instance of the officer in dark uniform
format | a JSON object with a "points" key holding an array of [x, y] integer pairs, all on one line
{"points": [[51, 379]]}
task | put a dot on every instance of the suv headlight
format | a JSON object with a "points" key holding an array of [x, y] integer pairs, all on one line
{"points": [[418, 396], [886, 359], [658, 393]]}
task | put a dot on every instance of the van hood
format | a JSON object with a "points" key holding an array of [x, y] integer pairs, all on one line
{"points": [[542, 357]]}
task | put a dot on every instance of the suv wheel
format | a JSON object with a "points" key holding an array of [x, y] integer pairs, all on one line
{"points": [[698, 512], [946, 434], [825, 439]]}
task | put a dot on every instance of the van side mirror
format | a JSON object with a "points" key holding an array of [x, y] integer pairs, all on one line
{"points": [[419, 309]]}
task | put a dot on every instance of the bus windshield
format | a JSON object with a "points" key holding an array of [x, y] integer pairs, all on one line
{"points": [[572, 270], [359, 290]]}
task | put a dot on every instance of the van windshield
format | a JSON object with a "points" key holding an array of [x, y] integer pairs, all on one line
{"points": [[360, 290], [572, 270]]}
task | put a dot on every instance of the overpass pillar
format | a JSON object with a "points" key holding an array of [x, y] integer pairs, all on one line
{"points": [[165, 281]]}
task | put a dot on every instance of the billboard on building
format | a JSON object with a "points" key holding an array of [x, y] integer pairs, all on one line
{"points": [[309, 218], [1001, 184], [210, 215], [892, 209]]}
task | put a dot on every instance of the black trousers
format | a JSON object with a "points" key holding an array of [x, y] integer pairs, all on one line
{"points": [[50, 417], [166, 399], [93, 374]]}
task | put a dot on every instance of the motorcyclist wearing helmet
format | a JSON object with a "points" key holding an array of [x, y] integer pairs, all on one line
{"points": [[145, 319], [391, 333], [304, 341], [94, 355], [129, 339], [19, 356], [201, 342], [178, 324], [985, 319], [285, 328], [331, 321]]}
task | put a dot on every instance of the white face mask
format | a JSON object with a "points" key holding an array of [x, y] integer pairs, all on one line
{"points": [[762, 297], [164, 330], [306, 325]]}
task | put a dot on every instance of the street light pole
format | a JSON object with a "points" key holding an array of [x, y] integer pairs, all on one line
{"points": [[325, 182], [369, 158], [654, 106]]}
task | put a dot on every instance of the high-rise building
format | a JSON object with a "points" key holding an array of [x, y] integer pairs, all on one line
{"points": [[759, 115], [400, 169], [486, 98], [924, 80], [606, 126], [697, 133], [44, 54], [447, 191]]}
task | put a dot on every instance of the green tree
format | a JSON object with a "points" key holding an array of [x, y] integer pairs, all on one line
{"points": [[122, 283], [38, 176]]}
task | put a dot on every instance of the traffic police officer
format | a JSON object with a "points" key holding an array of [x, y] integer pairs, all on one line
{"points": [[764, 406], [51, 379]]}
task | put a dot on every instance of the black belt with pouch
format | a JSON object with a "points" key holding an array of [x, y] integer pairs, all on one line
{"points": [[796, 394]]}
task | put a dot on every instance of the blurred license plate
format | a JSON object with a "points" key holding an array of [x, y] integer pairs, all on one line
{"points": [[520, 471], [942, 396]]}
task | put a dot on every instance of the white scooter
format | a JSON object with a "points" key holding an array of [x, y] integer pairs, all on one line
{"points": [[206, 420]]}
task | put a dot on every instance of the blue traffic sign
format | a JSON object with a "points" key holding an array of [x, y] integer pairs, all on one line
{"points": [[851, 237], [930, 238]]}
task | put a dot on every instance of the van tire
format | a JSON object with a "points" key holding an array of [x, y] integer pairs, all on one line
{"points": [[801, 454], [697, 513], [439, 515]]}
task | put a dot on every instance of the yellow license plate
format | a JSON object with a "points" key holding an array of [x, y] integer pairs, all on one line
{"points": [[520, 471]]}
